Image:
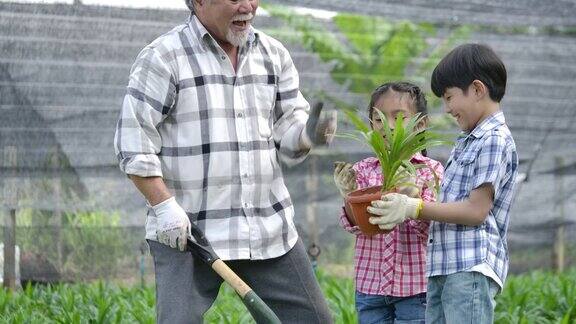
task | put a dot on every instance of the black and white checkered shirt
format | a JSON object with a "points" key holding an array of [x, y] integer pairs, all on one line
{"points": [[216, 136]]}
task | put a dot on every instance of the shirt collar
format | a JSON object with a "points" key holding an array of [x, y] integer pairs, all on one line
{"points": [[419, 158], [203, 34], [488, 124]]}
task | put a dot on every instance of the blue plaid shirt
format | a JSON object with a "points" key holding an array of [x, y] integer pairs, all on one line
{"points": [[485, 155]]}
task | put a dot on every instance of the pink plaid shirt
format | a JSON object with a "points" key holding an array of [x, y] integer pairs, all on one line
{"points": [[393, 264]]}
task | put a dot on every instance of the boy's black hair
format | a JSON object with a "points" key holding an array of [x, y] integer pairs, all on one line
{"points": [[467, 63], [418, 97]]}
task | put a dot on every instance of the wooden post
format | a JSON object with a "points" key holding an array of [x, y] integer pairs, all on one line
{"points": [[312, 191], [57, 211], [143, 249], [10, 162], [560, 241]]}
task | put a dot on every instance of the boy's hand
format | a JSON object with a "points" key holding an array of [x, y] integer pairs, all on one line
{"points": [[394, 209], [344, 177]]}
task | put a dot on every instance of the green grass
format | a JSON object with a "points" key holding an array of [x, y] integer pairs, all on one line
{"points": [[538, 297]]}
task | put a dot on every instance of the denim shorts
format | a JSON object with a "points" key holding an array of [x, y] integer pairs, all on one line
{"points": [[389, 309], [462, 297]]}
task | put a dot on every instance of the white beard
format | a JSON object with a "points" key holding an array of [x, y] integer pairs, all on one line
{"points": [[237, 39]]}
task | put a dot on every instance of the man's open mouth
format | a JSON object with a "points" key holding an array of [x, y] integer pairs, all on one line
{"points": [[240, 23]]}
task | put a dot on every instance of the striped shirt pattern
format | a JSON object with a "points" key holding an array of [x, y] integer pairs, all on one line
{"points": [[216, 136], [393, 264], [487, 155]]}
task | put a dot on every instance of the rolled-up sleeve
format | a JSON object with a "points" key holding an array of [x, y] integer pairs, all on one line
{"points": [[150, 95], [491, 163], [290, 112]]}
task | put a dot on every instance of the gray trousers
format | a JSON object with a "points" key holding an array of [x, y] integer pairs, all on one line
{"points": [[186, 287]]}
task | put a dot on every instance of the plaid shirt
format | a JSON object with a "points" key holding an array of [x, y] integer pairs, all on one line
{"points": [[485, 155], [393, 264], [215, 135]]}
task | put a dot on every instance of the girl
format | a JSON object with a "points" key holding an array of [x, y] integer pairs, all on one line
{"points": [[391, 268]]}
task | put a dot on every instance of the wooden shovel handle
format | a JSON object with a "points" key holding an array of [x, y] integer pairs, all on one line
{"points": [[231, 278]]}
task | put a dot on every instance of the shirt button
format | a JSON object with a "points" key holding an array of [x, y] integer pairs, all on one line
{"points": [[223, 57], [240, 115], [245, 175]]}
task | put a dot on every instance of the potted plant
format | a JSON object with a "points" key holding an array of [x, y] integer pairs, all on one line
{"points": [[394, 149]]}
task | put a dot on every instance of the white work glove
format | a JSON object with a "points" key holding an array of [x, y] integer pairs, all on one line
{"points": [[409, 187], [394, 209], [344, 178], [173, 225], [320, 129]]}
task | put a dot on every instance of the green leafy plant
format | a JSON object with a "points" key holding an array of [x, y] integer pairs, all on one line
{"points": [[394, 148], [85, 245], [535, 297], [366, 51]]}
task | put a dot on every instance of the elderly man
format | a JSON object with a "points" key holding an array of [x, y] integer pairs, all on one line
{"points": [[211, 108]]}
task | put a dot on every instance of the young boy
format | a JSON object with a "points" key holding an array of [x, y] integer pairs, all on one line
{"points": [[467, 257]]}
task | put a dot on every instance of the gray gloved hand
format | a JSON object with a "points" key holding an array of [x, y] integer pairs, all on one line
{"points": [[320, 129]]}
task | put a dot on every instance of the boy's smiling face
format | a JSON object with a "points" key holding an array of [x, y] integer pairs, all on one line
{"points": [[463, 106]]}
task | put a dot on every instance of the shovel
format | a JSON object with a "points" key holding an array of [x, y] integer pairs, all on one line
{"points": [[201, 248]]}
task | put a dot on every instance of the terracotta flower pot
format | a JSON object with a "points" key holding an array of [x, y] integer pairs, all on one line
{"points": [[356, 203]]}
